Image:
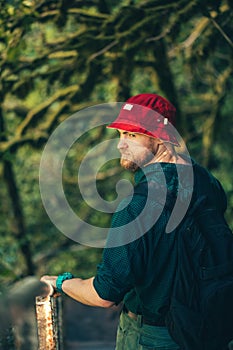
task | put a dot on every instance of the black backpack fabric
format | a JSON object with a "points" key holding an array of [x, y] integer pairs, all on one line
{"points": [[200, 316]]}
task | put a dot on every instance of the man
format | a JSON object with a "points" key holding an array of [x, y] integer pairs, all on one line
{"points": [[139, 260]]}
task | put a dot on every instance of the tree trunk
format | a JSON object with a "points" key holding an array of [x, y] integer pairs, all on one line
{"points": [[166, 81], [18, 217]]}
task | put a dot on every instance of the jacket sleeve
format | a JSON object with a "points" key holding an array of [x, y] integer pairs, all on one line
{"points": [[115, 275]]}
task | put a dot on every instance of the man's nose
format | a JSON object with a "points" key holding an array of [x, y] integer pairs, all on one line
{"points": [[122, 144]]}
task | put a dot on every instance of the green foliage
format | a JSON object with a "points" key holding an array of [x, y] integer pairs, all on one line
{"points": [[58, 57], [81, 260]]}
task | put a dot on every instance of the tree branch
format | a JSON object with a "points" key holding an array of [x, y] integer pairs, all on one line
{"points": [[33, 113]]}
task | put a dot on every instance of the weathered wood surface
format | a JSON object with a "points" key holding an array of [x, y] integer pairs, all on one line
{"points": [[83, 327], [49, 323]]}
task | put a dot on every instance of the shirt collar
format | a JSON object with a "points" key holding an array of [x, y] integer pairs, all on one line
{"points": [[159, 168]]}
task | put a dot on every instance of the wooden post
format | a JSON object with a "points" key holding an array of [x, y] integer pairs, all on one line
{"points": [[49, 322]]}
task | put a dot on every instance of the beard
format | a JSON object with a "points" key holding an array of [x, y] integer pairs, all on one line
{"points": [[128, 164], [132, 162]]}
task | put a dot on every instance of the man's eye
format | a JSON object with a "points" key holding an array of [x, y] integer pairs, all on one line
{"points": [[132, 135]]}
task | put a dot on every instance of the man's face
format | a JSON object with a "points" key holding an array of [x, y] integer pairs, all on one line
{"points": [[136, 149]]}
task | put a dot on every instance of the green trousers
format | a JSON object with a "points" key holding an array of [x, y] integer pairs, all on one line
{"points": [[133, 335]]}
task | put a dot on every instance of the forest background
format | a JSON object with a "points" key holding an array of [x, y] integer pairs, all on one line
{"points": [[59, 57]]}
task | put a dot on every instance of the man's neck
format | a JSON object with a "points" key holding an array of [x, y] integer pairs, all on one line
{"points": [[166, 154]]}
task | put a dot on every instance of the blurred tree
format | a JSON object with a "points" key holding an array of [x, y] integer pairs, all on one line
{"points": [[58, 57]]}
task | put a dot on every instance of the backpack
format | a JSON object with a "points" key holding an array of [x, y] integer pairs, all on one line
{"points": [[200, 315]]}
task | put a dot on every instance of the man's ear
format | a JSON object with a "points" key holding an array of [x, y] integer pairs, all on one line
{"points": [[159, 142]]}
